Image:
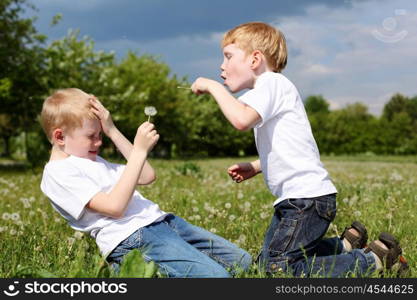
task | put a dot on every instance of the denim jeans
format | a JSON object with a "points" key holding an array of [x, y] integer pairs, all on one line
{"points": [[294, 241], [184, 250]]}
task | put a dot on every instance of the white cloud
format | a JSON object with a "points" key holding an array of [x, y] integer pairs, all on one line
{"points": [[333, 52]]}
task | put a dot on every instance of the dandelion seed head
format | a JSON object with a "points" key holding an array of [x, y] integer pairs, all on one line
{"points": [[15, 216], [150, 111], [264, 215], [78, 235], [6, 216]]}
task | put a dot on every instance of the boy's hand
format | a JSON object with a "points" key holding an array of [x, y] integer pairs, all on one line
{"points": [[146, 137], [201, 85], [103, 114], [241, 171]]}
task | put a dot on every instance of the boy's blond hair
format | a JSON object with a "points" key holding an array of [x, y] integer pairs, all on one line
{"points": [[65, 109], [260, 36]]}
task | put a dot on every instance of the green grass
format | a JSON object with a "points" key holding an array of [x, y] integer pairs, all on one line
{"points": [[381, 192]]}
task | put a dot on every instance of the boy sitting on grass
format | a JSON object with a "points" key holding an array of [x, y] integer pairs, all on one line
{"points": [[99, 197]]}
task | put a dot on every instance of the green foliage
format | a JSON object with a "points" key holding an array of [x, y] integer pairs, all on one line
{"points": [[72, 62], [316, 104], [188, 168], [32, 272], [134, 266], [21, 71], [353, 130], [189, 125]]}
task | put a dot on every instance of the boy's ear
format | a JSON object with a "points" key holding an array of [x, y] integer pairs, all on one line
{"points": [[58, 137], [257, 58]]}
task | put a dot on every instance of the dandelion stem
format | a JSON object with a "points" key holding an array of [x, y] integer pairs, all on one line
{"points": [[149, 117]]}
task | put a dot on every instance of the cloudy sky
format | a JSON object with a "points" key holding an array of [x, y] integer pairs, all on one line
{"points": [[346, 50]]}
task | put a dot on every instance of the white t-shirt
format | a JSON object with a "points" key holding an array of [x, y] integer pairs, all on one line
{"points": [[288, 153], [71, 183]]}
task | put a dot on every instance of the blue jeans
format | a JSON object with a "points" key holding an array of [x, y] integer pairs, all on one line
{"points": [[294, 241], [184, 250]]}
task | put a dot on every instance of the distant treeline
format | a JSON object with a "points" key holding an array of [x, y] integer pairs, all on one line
{"points": [[189, 125], [353, 129]]}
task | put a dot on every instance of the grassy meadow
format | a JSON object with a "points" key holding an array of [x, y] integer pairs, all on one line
{"points": [[35, 241]]}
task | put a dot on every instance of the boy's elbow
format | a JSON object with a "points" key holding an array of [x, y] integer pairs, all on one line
{"points": [[148, 180], [241, 125], [115, 213], [151, 178]]}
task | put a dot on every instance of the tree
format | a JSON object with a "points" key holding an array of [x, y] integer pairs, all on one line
{"points": [[397, 104], [21, 59], [316, 104], [317, 109], [350, 130]]}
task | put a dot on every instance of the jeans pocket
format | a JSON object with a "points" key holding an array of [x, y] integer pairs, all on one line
{"points": [[326, 207], [282, 236]]}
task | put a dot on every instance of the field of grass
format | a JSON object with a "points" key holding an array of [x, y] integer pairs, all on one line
{"points": [[381, 192]]}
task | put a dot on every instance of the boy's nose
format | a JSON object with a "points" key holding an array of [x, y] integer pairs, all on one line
{"points": [[222, 67], [98, 143]]}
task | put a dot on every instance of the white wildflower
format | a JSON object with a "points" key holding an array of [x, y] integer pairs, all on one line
{"points": [[78, 235], [264, 215], [6, 216], [228, 205], [213, 230], [15, 216], [396, 176], [232, 218], [150, 111]]}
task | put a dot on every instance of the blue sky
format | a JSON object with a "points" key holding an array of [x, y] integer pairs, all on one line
{"points": [[347, 51]]}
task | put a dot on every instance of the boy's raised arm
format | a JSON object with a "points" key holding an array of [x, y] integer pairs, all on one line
{"points": [[147, 175], [114, 204], [241, 116]]}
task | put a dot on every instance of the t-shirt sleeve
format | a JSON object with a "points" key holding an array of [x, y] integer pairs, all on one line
{"points": [[67, 187], [115, 169], [265, 98]]}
